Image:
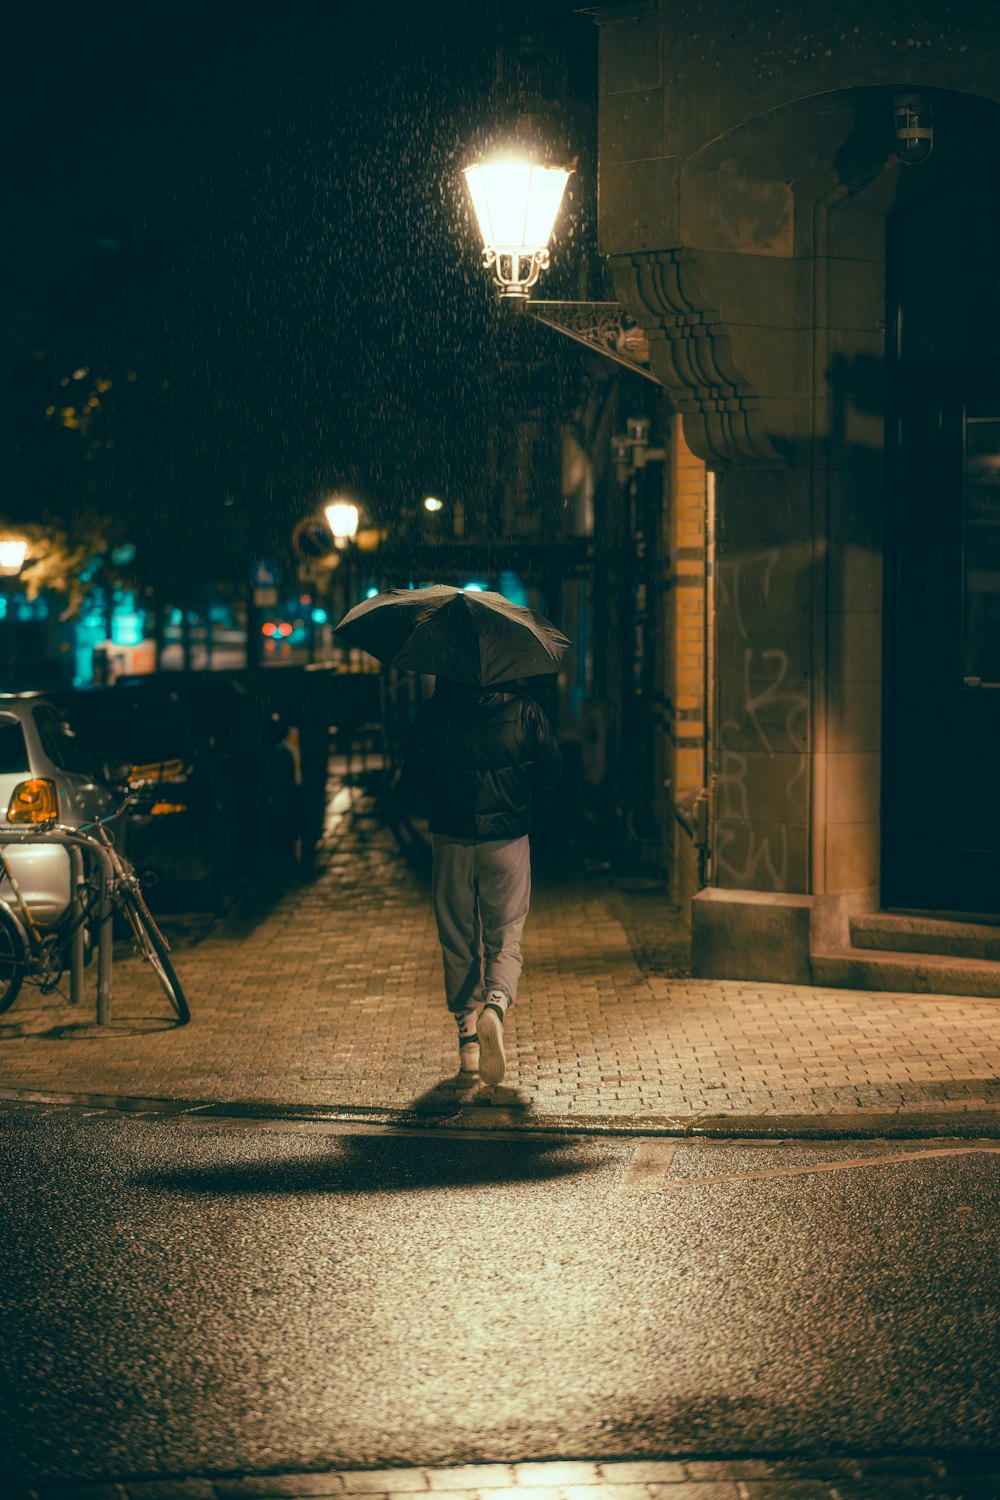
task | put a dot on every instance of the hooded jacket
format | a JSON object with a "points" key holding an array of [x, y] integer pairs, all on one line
{"points": [[477, 755]]}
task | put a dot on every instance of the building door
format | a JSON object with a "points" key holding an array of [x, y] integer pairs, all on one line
{"points": [[941, 809], [941, 746]]}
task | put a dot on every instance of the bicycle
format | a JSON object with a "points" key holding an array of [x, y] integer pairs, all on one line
{"points": [[36, 956]]}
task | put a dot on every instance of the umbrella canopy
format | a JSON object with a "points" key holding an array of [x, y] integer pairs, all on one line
{"points": [[477, 638]]}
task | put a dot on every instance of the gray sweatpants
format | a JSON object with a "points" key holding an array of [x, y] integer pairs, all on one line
{"points": [[481, 891]]}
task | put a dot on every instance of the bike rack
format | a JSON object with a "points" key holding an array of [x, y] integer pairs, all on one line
{"points": [[75, 843]]}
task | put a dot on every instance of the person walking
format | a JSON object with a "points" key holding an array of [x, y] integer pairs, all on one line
{"points": [[476, 756]]}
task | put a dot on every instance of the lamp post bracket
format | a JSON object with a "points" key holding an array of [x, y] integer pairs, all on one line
{"points": [[604, 327]]}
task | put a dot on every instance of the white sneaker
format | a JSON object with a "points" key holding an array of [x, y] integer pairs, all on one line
{"points": [[468, 1055], [492, 1060]]}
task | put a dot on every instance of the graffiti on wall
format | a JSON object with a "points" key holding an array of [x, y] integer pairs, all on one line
{"points": [[755, 811]]}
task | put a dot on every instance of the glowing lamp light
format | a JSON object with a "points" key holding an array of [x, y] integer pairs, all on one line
{"points": [[433, 503], [13, 551], [516, 204], [342, 518]]}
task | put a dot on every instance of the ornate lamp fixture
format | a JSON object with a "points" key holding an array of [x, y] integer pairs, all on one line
{"points": [[516, 204], [342, 518]]}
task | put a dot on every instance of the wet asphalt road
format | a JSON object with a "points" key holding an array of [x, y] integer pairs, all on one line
{"points": [[203, 1298]]}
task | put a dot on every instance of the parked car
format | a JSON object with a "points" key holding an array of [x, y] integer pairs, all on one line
{"points": [[215, 802], [175, 755], [37, 740]]}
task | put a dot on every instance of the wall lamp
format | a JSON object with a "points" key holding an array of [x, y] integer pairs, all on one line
{"points": [[914, 120], [516, 204]]}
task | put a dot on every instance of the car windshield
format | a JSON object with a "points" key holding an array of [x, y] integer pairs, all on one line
{"points": [[13, 749]]}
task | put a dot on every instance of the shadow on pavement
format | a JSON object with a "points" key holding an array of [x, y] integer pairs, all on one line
{"points": [[459, 1091], [68, 1030], [373, 1164]]}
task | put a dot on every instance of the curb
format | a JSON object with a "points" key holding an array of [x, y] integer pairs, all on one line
{"points": [[459, 1117], [784, 1478]]}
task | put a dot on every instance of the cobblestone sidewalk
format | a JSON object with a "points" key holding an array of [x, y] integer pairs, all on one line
{"points": [[335, 999], [901, 1477]]}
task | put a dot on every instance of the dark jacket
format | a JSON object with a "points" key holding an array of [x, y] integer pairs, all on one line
{"points": [[477, 755]]}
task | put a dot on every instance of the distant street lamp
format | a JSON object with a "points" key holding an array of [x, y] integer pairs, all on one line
{"points": [[13, 551], [342, 518], [516, 204]]}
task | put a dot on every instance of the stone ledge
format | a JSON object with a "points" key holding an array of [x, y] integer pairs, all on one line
{"points": [[763, 935]]}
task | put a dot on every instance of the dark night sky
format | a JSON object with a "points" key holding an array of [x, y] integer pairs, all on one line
{"points": [[263, 205]]}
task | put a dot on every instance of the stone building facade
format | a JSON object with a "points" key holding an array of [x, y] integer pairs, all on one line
{"points": [[820, 299]]}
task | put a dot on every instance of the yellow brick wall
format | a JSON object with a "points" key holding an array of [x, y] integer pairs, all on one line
{"points": [[685, 686]]}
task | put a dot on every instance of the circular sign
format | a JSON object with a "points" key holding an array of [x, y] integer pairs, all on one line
{"points": [[312, 538]]}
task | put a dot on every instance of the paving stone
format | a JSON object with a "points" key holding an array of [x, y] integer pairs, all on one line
{"points": [[559, 1473], [258, 1487], [702, 1489], [384, 1481], [472, 1477], [604, 1491], [170, 1489], [746, 1470], [79, 1492], [788, 1489]]}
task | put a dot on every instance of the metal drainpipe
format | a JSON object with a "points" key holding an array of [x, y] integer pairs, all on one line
{"points": [[709, 770]]}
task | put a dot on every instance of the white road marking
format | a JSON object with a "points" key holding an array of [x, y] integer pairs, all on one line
{"points": [[804, 1171], [651, 1161]]}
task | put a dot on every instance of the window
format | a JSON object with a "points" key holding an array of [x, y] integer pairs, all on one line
{"points": [[13, 750], [62, 744]]}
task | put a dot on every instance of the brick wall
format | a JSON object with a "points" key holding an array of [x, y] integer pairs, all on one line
{"points": [[686, 637]]}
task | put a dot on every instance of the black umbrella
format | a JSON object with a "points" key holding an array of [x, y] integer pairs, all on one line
{"points": [[475, 637]]}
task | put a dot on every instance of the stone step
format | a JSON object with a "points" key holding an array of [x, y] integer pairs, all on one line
{"points": [[900, 932], [906, 973]]}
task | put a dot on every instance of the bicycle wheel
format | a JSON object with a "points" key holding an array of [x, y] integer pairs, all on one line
{"points": [[153, 948], [13, 961]]}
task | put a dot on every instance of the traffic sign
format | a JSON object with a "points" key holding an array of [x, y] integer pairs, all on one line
{"points": [[311, 538], [264, 574]]}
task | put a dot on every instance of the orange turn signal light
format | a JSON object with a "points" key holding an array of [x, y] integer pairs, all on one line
{"points": [[33, 802]]}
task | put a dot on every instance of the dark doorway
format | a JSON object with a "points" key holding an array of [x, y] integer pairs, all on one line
{"points": [[941, 799]]}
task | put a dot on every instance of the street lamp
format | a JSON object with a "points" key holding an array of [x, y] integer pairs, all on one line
{"points": [[13, 551], [342, 518], [516, 204]]}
